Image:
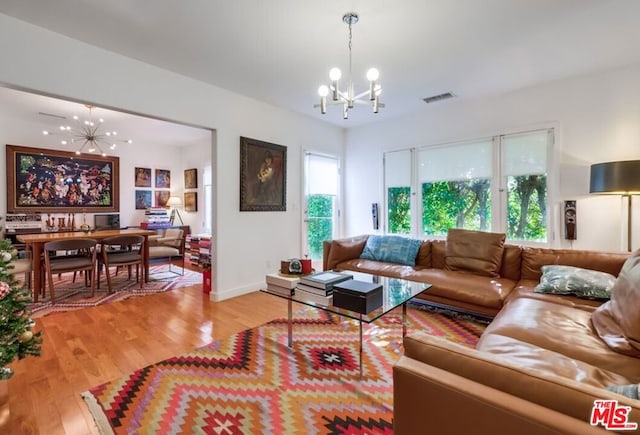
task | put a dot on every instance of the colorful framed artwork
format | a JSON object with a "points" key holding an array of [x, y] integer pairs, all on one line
{"points": [[143, 177], [263, 176], [143, 199], [191, 178], [44, 180], [163, 179], [162, 198], [190, 201]]}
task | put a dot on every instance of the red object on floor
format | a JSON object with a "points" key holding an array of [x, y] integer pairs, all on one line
{"points": [[206, 281]]}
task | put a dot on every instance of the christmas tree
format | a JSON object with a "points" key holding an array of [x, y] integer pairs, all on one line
{"points": [[16, 337]]}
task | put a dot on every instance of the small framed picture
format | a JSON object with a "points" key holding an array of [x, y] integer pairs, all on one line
{"points": [[143, 199], [143, 177], [190, 201], [191, 178], [162, 198], [163, 179]]}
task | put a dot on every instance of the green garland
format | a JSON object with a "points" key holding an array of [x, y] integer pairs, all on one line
{"points": [[16, 338]]}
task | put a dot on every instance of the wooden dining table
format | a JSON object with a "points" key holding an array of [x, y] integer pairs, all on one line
{"points": [[35, 244]]}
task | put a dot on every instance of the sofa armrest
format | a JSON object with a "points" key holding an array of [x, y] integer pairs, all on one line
{"points": [[546, 389], [427, 399]]}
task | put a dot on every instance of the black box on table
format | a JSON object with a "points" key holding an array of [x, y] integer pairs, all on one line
{"points": [[359, 296]]}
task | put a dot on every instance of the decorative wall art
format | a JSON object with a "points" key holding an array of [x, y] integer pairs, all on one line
{"points": [[190, 201], [263, 176], [163, 179], [162, 198], [143, 177], [43, 180], [191, 178], [143, 199]]}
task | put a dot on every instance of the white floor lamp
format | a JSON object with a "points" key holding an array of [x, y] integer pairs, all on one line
{"points": [[617, 178], [174, 202]]}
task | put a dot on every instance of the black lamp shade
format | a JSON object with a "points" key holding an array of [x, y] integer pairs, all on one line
{"points": [[616, 177]]}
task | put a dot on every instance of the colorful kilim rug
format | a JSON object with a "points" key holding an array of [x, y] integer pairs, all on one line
{"points": [[75, 295], [252, 383]]}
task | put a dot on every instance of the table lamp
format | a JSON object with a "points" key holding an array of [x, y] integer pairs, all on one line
{"points": [[617, 178]]}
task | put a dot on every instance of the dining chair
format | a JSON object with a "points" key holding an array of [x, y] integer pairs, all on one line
{"points": [[121, 251], [170, 246], [80, 256]]}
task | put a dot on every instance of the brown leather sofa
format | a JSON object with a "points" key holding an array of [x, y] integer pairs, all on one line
{"points": [[537, 368]]}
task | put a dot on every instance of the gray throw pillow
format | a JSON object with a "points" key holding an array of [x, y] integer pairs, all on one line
{"points": [[575, 281], [631, 390]]}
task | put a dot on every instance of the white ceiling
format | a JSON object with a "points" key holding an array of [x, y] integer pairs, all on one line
{"points": [[280, 51]]}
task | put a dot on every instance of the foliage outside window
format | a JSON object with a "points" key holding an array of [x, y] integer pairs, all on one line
{"points": [[399, 206], [456, 204], [527, 207], [321, 211]]}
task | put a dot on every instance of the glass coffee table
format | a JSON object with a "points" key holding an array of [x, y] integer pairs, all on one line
{"points": [[396, 292]]}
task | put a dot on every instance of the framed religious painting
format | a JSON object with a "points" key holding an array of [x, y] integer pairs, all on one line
{"points": [[50, 181], [142, 177], [263, 176], [191, 178], [190, 201], [163, 179]]}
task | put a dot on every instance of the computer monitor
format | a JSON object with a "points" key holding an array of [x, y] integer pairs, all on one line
{"points": [[106, 221]]}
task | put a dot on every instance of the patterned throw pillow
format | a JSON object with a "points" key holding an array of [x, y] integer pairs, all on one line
{"points": [[575, 281], [392, 249], [631, 390]]}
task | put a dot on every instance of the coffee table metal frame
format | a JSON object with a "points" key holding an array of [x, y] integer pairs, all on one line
{"points": [[395, 292]]}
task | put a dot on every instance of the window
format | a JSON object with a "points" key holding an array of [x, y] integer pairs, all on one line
{"points": [[455, 184], [495, 184], [397, 180], [208, 198]]}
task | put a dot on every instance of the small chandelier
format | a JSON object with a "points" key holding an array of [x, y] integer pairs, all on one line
{"points": [[88, 135], [348, 98]]}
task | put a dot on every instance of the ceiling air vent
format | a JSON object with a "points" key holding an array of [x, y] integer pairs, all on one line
{"points": [[440, 97]]}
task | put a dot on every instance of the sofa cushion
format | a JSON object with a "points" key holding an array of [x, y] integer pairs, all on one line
{"points": [[534, 258], [424, 254], [392, 249], [570, 280], [558, 328], [618, 321], [524, 289], [345, 249], [479, 252]]}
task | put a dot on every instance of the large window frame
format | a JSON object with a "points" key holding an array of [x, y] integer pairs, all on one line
{"points": [[498, 189]]}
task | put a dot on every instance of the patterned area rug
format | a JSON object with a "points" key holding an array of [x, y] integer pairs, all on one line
{"points": [[74, 295], [252, 383]]}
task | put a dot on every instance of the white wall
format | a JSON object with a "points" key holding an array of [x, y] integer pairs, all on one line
{"points": [[597, 119], [246, 245]]}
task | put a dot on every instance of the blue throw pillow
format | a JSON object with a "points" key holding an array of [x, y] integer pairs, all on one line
{"points": [[392, 249]]}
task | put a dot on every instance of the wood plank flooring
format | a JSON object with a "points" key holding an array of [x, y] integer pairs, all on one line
{"points": [[82, 349]]}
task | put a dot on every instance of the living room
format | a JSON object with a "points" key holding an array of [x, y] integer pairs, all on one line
{"points": [[594, 116]]}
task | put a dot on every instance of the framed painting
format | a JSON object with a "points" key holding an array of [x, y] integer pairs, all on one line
{"points": [[163, 179], [190, 201], [191, 178], [143, 199], [162, 198], [143, 177], [43, 180], [263, 176]]}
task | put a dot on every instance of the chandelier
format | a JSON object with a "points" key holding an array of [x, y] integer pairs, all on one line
{"points": [[87, 133], [347, 97]]}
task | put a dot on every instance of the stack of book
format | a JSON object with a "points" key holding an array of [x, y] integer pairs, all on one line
{"points": [[284, 285], [318, 287], [156, 217]]}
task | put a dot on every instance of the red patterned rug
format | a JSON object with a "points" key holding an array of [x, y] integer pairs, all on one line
{"points": [[252, 383], [74, 295]]}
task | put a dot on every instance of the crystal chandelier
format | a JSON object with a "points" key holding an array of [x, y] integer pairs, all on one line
{"points": [[348, 98], [87, 133]]}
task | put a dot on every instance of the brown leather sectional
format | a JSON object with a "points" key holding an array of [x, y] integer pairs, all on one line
{"points": [[537, 368]]}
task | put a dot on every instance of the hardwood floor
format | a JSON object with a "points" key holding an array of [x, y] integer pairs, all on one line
{"points": [[82, 349]]}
